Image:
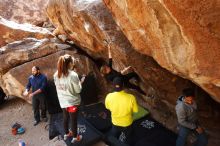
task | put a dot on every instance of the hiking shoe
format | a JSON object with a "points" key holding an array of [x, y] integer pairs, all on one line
{"points": [[36, 123], [76, 139], [68, 135]]}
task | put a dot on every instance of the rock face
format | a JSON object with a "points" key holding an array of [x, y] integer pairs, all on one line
{"points": [[79, 21], [20, 52], [143, 34], [182, 37], [88, 23], [11, 31], [24, 11], [23, 52]]}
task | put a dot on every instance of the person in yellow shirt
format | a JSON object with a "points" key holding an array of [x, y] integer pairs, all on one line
{"points": [[121, 105]]}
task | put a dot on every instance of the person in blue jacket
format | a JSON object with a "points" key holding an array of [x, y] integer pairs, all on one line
{"points": [[37, 81]]}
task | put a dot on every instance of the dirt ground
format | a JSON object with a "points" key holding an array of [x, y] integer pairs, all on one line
{"points": [[17, 110]]}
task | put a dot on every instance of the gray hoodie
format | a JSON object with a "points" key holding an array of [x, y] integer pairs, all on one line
{"points": [[186, 114], [68, 89]]}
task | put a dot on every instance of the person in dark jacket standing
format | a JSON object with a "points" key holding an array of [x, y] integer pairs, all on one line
{"points": [[186, 110], [37, 82]]}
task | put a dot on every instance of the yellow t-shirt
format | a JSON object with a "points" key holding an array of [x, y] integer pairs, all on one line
{"points": [[122, 105]]}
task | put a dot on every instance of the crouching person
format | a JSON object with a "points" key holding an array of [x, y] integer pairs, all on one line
{"points": [[121, 105], [186, 110]]}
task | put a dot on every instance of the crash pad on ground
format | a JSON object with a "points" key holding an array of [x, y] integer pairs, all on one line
{"points": [[146, 130]]}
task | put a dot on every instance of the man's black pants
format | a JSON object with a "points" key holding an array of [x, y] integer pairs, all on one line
{"points": [[38, 102]]}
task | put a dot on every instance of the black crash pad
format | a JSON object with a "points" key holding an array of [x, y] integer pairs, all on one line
{"points": [[146, 131], [56, 125], [98, 116], [89, 133]]}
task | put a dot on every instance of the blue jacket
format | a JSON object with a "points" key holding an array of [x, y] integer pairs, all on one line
{"points": [[37, 82]]}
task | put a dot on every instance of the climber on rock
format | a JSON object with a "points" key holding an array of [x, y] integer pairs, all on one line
{"points": [[109, 73]]}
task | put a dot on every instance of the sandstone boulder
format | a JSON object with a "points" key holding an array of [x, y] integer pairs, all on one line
{"points": [[89, 21], [19, 52], [11, 31], [24, 11]]}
